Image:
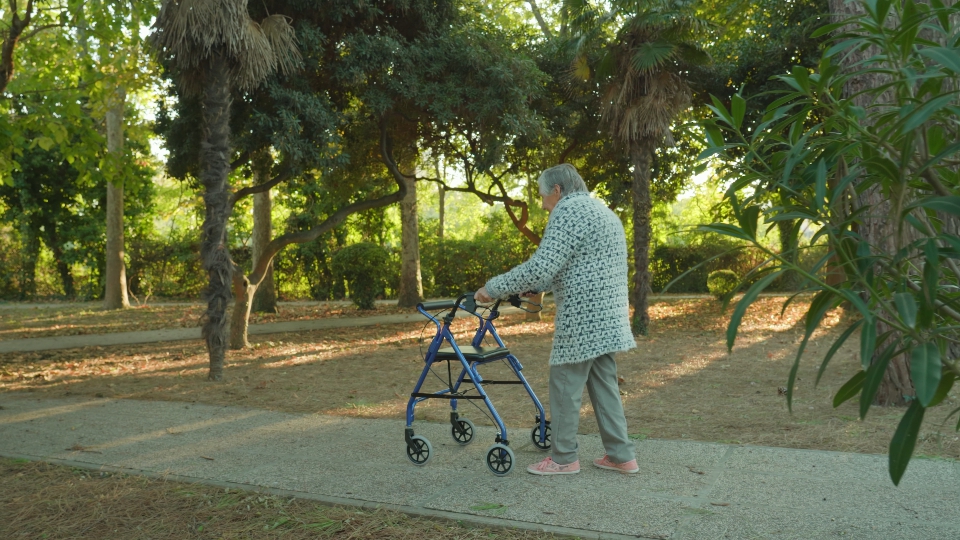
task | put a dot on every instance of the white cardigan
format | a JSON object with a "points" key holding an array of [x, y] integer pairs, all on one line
{"points": [[583, 260]]}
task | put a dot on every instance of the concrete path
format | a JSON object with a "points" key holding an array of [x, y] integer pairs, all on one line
{"points": [[184, 334], [685, 490]]}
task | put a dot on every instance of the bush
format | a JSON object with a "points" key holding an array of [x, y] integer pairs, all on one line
{"points": [[366, 267], [720, 283], [669, 262]]}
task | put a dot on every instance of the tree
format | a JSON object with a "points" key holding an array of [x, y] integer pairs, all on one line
{"points": [[892, 160], [214, 47], [645, 88]]}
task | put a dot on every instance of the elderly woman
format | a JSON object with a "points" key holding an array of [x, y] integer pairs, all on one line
{"points": [[583, 260]]}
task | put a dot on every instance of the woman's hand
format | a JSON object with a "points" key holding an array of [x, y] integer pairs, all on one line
{"points": [[482, 296]]}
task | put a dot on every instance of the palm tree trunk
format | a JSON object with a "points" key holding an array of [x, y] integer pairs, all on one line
{"points": [[115, 293], [411, 285], [641, 156], [214, 251]]}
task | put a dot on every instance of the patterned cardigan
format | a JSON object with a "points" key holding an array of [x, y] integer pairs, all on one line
{"points": [[583, 260]]}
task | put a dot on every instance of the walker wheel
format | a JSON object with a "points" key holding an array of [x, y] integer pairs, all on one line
{"points": [[500, 459], [465, 435], [419, 450], [542, 444]]}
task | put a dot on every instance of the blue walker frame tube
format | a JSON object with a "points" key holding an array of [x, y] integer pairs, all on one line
{"points": [[444, 334]]}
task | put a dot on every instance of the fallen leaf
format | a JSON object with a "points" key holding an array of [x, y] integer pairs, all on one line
{"points": [[207, 458]]}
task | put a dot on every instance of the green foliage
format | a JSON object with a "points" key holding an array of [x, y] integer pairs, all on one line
{"points": [[685, 269], [878, 183], [452, 267], [722, 283], [366, 268]]}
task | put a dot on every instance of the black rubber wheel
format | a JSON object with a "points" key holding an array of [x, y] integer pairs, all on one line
{"points": [[419, 450], [543, 444], [465, 435], [500, 459]]}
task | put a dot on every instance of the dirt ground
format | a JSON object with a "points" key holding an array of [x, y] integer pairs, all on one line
{"points": [[39, 500], [81, 319], [680, 382]]}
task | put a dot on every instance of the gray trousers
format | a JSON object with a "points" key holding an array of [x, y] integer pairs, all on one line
{"points": [[566, 393]]}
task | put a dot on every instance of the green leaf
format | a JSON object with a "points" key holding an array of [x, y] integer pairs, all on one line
{"points": [[871, 383], [946, 383], [907, 308], [945, 56], [725, 229], [821, 186], [942, 14], [738, 107], [826, 29], [44, 142], [868, 341], [904, 441], [802, 76], [744, 303], [834, 348], [748, 220], [925, 371], [921, 115], [950, 205], [821, 303], [930, 283], [849, 389]]}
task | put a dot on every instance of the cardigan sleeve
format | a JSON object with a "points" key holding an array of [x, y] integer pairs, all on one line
{"points": [[560, 239]]}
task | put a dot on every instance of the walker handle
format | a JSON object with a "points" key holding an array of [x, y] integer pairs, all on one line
{"points": [[466, 299]]}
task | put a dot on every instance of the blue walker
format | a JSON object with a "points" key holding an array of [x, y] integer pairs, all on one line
{"points": [[469, 384]]}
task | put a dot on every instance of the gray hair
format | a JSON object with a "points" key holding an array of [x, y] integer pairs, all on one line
{"points": [[564, 175]]}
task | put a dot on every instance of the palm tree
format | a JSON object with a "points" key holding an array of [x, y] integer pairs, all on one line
{"points": [[642, 72], [214, 47]]}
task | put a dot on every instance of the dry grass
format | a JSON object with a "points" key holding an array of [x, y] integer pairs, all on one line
{"points": [[680, 383], [88, 318], [39, 500]]}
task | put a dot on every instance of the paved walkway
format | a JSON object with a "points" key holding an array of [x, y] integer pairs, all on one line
{"points": [[685, 490], [184, 334]]}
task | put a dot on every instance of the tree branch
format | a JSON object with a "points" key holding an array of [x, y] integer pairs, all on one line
{"points": [[540, 21], [300, 237], [566, 151], [237, 163], [260, 188], [17, 26], [39, 29]]}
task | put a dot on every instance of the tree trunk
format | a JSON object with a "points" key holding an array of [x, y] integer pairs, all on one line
{"points": [[789, 230], [214, 168], [411, 285], [243, 292], [265, 298], [66, 277], [30, 253], [876, 227], [115, 294], [641, 156], [443, 195]]}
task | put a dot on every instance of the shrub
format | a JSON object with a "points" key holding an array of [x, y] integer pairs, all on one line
{"points": [[366, 268], [720, 283]]}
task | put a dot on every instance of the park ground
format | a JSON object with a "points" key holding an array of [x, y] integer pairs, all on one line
{"points": [[680, 383]]}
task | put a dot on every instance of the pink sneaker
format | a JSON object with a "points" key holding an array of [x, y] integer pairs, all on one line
{"points": [[629, 467], [549, 467]]}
